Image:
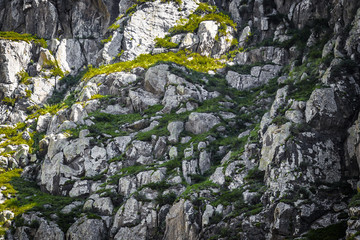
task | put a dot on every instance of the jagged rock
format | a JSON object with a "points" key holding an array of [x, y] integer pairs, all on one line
{"points": [[156, 78], [151, 21], [84, 228], [244, 36], [190, 42], [199, 123], [160, 147], [218, 176], [49, 230], [69, 55], [207, 33], [43, 122], [189, 168], [273, 140], [279, 102], [204, 161], [112, 48], [180, 222], [277, 56], [14, 57], [283, 214], [175, 128], [173, 153], [259, 76], [127, 185], [138, 232], [127, 215], [209, 211], [102, 205], [321, 109], [141, 100], [68, 208], [80, 188]]}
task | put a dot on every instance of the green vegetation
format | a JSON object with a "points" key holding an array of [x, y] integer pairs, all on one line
{"points": [[109, 123], [191, 60], [24, 77], [131, 10], [114, 26], [332, 232], [14, 136], [165, 43], [204, 12], [106, 40], [355, 200], [28, 197], [9, 101], [14, 36]]}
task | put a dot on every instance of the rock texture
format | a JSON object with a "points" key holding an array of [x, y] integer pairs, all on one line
{"points": [[146, 146]]}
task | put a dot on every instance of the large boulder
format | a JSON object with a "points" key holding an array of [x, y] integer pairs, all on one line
{"points": [[181, 222], [156, 78], [207, 33], [84, 228], [14, 57], [199, 123], [150, 21]]}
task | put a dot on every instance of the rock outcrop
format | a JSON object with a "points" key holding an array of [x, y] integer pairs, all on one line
{"points": [[172, 120]]}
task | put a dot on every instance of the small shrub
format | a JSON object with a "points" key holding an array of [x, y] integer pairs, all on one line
{"points": [[165, 43]]}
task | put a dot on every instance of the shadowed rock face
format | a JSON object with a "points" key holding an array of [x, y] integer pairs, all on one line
{"points": [[53, 19]]}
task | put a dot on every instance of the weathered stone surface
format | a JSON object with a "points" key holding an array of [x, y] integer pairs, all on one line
{"points": [[201, 122], [180, 223], [49, 230], [321, 109], [151, 21], [190, 42], [218, 176], [14, 57], [175, 128], [92, 229], [258, 77], [156, 78], [69, 55], [274, 139], [207, 33]]}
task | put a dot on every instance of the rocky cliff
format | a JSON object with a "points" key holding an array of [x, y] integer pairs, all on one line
{"points": [[179, 119]]}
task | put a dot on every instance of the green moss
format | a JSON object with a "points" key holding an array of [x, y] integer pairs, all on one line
{"points": [[165, 43], [14, 36], [118, 158], [55, 68], [109, 123], [355, 200], [30, 198], [197, 187], [255, 174], [131, 9], [192, 23], [24, 77], [106, 40], [14, 136], [191, 60], [9, 101], [332, 232], [163, 199], [114, 26]]}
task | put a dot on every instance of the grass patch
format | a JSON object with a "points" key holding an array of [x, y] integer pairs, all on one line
{"points": [[204, 12], [165, 43], [332, 232], [191, 60], [30, 197], [14, 36]]}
